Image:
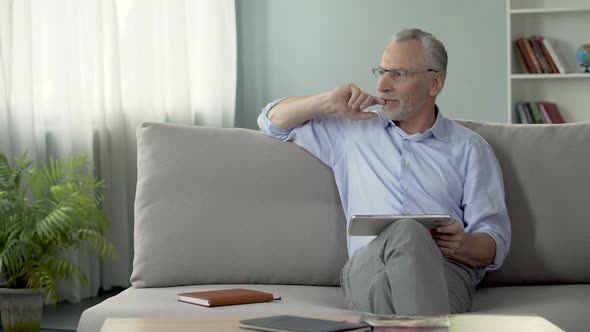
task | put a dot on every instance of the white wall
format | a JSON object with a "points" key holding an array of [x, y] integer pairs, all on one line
{"points": [[301, 47]]}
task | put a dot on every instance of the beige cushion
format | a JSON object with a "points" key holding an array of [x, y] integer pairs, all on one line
{"points": [[233, 206], [312, 301], [567, 306], [547, 180]]}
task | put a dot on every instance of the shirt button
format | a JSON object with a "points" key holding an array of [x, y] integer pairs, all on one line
{"points": [[406, 162], [405, 188]]}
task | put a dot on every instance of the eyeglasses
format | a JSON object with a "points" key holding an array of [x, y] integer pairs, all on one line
{"points": [[399, 74]]}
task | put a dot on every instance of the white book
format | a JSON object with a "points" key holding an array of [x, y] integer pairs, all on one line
{"points": [[550, 46]]}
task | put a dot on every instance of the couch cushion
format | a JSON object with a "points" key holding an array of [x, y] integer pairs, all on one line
{"points": [[162, 302], [220, 205], [547, 180], [567, 306]]}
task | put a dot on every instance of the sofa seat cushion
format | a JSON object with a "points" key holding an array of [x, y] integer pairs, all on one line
{"points": [[567, 306], [162, 302]]}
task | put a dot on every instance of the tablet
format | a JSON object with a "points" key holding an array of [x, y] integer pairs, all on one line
{"points": [[366, 225]]}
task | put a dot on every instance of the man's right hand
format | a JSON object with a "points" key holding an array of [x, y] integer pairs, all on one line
{"points": [[347, 101], [350, 101]]}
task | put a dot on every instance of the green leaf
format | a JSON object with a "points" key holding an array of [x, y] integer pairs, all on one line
{"points": [[64, 213], [5, 171]]}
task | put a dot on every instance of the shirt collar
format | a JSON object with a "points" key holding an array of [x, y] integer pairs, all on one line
{"points": [[438, 130]]}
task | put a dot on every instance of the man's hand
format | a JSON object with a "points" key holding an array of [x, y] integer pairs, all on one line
{"points": [[349, 101], [449, 238], [473, 249]]}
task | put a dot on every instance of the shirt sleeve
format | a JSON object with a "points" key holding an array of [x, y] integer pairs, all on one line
{"points": [[323, 137], [484, 206]]}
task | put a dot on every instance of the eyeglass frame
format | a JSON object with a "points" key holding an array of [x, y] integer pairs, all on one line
{"points": [[406, 73]]}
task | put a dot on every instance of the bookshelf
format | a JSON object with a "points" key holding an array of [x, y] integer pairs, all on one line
{"points": [[567, 22]]}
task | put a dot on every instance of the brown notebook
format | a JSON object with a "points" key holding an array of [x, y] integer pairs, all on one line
{"points": [[225, 297]]}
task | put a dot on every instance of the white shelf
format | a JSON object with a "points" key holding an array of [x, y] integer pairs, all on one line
{"points": [[548, 76], [567, 22], [549, 10]]}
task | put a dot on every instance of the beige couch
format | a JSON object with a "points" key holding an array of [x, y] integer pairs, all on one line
{"points": [[218, 208]]}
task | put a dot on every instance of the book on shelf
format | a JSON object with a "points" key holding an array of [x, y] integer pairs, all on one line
{"points": [[520, 52], [537, 116], [532, 56], [537, 112], [546, 118], [223, 297], [521, 55], [547, 55], [550, 44], [528, 113], [552, 112], [539, 54], [521, 42], [519, 110]]}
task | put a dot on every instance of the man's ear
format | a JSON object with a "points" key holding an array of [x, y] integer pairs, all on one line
{"points": [[437, 84]]}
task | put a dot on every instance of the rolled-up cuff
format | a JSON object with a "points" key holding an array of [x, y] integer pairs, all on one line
{"points": [[500, 252], [267, 126]]}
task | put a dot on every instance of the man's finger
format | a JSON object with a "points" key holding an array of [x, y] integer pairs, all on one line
{"points": [[445, 244], [360, 100], [439, 236], [366, 102], [357, 103], [369, 101], [450, 246], [354, 94], [446, 229], [452, 238], [452, 227]]}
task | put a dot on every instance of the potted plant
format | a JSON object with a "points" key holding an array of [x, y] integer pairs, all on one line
{"points": [[45, 212]]}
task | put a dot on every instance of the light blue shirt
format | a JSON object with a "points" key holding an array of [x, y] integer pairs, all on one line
{"points": [[379, 169]]}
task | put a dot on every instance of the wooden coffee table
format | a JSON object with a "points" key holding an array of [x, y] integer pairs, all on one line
{"points": [[459, 323]]}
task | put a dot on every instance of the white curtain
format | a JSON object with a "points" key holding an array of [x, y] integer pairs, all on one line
{"points": [[78, 76]]}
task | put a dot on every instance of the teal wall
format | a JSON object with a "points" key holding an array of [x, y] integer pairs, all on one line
{"points": [[301, 47]]}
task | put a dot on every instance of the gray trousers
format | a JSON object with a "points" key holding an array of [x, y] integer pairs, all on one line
{"points": [[402, 271]]}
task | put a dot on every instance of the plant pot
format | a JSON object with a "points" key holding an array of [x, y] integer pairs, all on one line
{"points": [[20, 309]]}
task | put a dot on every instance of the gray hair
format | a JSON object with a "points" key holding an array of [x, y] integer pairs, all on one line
{"points": [[434, 50]]}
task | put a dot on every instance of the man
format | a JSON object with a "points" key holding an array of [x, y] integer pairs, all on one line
{"points": [[405, 159]]}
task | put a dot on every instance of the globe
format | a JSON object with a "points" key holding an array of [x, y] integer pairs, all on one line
{"points": [[583, 54]]}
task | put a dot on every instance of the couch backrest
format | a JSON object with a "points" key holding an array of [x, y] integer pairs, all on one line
{"points": [[233, 206], [546, 172]]}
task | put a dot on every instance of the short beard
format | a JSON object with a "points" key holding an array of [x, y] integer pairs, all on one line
{"points": [[403, 114]]}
